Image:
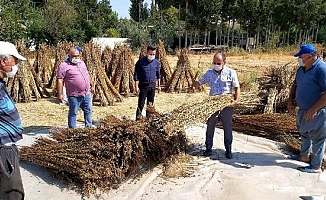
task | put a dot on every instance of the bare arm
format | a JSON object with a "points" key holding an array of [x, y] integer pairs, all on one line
{"points": [[92, 85], [59, 89]]}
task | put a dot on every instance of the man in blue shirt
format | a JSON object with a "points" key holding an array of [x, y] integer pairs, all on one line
{"points": [[11, 130], [309, 91], [221, 80], [146, 74]]}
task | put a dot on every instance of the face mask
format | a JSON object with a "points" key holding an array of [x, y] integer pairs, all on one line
{"points": [[218, 67], [14, 70], [151, 57], [75, 60], [300, 61]]}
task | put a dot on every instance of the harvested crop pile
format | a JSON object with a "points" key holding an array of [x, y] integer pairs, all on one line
{"points": [[275, 86], [105, 156], [121, 69], [182, 78], [277, 127]]}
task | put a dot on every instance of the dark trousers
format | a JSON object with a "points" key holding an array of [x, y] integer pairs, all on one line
{"points": [[146, 90], [11, 186], [225, 116]]}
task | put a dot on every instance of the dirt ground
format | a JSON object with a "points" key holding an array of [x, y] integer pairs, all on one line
{"points": [[48, 113]]}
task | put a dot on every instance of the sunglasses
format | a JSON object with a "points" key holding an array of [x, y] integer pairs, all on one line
{"points": [[217, 63]]}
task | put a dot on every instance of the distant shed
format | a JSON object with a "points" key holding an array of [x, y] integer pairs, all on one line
{"points": [[111, 42]]}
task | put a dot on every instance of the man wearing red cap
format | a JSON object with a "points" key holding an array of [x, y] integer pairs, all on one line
{"points": [[309, 92], [11, 129]]}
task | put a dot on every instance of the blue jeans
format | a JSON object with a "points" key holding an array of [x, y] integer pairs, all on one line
{"points": [[313, 136], [83, 102], [225, 116]]}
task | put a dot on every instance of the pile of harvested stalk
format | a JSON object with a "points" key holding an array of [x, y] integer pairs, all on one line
{"points": [[25, 85], [275, 126], [103, 157], [275, 86], [182, 78], [106, 58], [106, 93], [42, 64], [165, 69], [121, 70]]}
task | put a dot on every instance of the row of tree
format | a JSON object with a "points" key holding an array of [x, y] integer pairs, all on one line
{"points": [[178, 23]]}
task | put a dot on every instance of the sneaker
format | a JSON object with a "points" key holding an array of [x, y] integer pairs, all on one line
{"points": [[228, 155], [208, 152], [309, 169]]}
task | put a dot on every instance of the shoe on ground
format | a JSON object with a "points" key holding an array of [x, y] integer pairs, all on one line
{"points": [[208, 152], [228, 155], [309, 169]]}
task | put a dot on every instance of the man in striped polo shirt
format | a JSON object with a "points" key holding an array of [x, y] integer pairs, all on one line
{"points": [[11, 130]]}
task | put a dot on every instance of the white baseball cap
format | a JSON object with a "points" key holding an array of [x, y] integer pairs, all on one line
{"points": [[7, 48]]}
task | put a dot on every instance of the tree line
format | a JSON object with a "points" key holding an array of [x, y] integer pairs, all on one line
{"points": [[179, 23]]}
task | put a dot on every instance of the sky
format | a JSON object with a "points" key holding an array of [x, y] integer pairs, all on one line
{"points": [[122, 7]]}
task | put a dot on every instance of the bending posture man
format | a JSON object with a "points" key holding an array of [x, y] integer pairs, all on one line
{"points": [[11, 129], [146, 74], [309, 91], [221, 80], [74, 75]]}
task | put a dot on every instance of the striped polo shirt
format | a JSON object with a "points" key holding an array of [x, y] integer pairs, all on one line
{"points": [[11, 129]]}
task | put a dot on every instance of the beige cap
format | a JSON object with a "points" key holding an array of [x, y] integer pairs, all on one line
{"points": [[7, 48]]}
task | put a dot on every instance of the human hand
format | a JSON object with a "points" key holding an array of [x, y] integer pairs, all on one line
{"points": [[309, 114], [93, 90], [291, 107], [233, 103], [158, 89], [60, 98]]}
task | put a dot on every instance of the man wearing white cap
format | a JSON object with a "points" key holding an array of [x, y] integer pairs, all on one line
{"points": [[309, 92], [11, 130]]}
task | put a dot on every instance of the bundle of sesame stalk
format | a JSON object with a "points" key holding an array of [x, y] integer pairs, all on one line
{"points": [[191, 114], [183, 78], [105, 156], [25, 86]]}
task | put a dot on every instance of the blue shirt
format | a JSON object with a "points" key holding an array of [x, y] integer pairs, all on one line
{"points": [[220, 83], [147, 72], [310, 84], [11, 129]]}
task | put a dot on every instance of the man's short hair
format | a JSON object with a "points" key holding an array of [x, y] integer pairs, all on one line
{"points": [[222, 54], [151, 48]]}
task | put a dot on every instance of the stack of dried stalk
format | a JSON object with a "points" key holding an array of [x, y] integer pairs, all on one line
{"points": [[182, 78], [106, 59], [275, 86], [165, 69], [143, 50], [106, 93], [275, 126], [43, 64], [103, 157], [121, 70], [25, 85]]}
